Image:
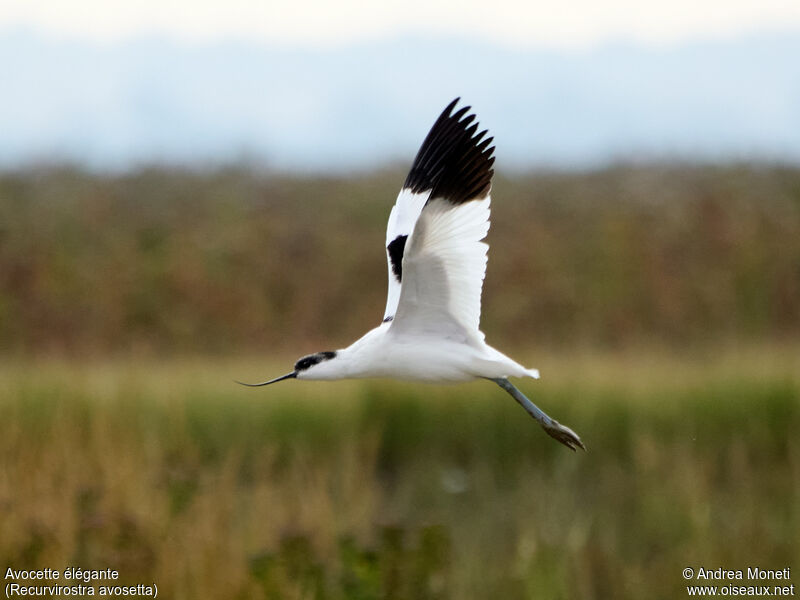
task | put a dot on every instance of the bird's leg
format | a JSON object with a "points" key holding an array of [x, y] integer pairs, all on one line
{"points": [[553, 428]]}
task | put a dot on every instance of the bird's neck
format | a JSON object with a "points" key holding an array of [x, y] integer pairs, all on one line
{"points": [[360, 359]]}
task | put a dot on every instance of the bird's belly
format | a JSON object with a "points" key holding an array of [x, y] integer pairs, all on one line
{"points": [[428, 364]]}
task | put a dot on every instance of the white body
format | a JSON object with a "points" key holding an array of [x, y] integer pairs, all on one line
{"points": [[384, 353]]}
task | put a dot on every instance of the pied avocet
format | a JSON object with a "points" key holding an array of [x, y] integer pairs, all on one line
{"points": [[437, 262]]}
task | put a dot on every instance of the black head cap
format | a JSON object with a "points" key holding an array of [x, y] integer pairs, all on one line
{"points": [[313, 359]]}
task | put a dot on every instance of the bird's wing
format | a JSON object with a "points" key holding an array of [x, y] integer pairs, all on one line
{"points": [[436, 257], [402, 219]]}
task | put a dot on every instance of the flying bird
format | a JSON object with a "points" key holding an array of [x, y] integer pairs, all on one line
{"points": [[437, 262]]}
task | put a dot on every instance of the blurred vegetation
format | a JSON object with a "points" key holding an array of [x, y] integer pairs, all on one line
{"points": [[234, 260], [169, 473], [661, 303]]}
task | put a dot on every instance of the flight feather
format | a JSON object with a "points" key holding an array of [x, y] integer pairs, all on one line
{"points": [[435, 256]]}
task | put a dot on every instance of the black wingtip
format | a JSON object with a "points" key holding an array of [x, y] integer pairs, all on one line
{"points": [[453, 162]]}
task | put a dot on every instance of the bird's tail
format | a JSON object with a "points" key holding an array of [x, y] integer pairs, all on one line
{"points": [[532, 373], [501, 365]]}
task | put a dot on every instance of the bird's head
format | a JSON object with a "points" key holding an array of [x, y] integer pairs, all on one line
{"points": [[313, 366]]}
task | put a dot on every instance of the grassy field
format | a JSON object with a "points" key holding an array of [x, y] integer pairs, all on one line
{"points": [[171, 473]]}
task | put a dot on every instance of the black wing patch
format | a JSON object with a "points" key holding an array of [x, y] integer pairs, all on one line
{"points": [[395, 250], [453, 162]]}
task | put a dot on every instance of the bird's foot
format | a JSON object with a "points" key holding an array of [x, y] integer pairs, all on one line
{"points": [[564, 434]]}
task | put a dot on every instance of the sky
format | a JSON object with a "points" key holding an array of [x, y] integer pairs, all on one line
{"points": [[321, 23], [351, 84]]}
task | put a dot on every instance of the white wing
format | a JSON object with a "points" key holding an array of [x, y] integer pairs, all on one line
{"points": [[443, 270], [402, 219], [437, 260]]}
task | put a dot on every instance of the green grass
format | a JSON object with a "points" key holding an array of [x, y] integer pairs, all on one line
{"points": [[171, 473]]}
